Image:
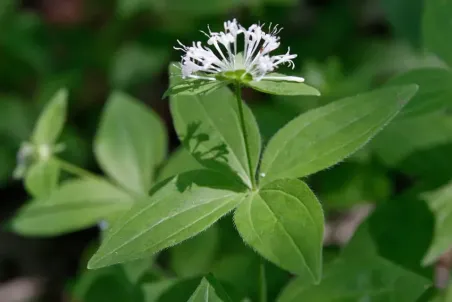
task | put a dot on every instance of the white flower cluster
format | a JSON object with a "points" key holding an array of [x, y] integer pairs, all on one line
{"points": [[200, 62]]}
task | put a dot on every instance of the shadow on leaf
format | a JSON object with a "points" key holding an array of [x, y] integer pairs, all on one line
{"points": [[209, 179], [214, 158]]}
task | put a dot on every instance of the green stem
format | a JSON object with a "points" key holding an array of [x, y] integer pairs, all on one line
{"points": [[238, 94], [262, 282], [73, 169]]}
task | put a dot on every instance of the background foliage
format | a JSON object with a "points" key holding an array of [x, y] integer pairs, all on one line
{"points": [[119, 52]]}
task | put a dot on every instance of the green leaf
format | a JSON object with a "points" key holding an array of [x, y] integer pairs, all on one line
{"points": [[284, 223], [414, 134], [153, 291], [363, 183], [440, 203], [405, 16], [51, 121], [135, 270], [437, 28], [130, 143], [135, 64], [200, 250], [183, 207], [193, 87], [324, 136], [209, 127], [16, 119], [359, 274], [42, 178], [77, 204], [109, 284], [401, 230], [127, 8], [180, 161], [435, 90], [205, 293], [349, 281], [170, 290], [280, 87]]}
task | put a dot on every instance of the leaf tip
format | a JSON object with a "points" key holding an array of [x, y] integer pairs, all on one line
{"points": [[95, 262], [316, 92], [429, 258], [407, 93]]}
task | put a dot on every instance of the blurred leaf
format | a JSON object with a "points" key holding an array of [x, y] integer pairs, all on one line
{"points": [[448, 294], [194, 256], [153, 291], [77, 149], [435, 90], [401, 231], [20, 43], [284, 223], [16, 119], [359, 275], [135, 270], [430, 166], [412, 135], [51, 121], [127, 8], [236, 265], [189, 203], [324, 136], [209, 127], [7, 7], [130, 142], [405, 16], [109, 284], [437, 28], [271, 116], [134, 63], [350, 183], [440, 203], [42, 178], [205, 293], [170, 290], [196, 8], [7, 162], [219, 288], [180, 161], [281, 87], [77, 204], [50, 84]]}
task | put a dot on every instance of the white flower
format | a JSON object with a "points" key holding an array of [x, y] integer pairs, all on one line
{"points": [[222, 59]]}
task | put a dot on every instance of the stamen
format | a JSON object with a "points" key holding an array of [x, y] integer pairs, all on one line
{"points": [[256, 59]]}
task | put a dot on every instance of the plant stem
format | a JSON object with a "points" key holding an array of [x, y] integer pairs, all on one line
{"points": [[73, 169], [238, 94], [262, 282]]}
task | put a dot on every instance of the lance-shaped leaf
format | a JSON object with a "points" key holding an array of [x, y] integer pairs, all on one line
{"points": [[440, 202], [130, 142], [186, 205], [51, 121], [284, 223], [42, 178], [435, 91], [209, 127], [281, 87], [77, 204], [324, 136]]}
